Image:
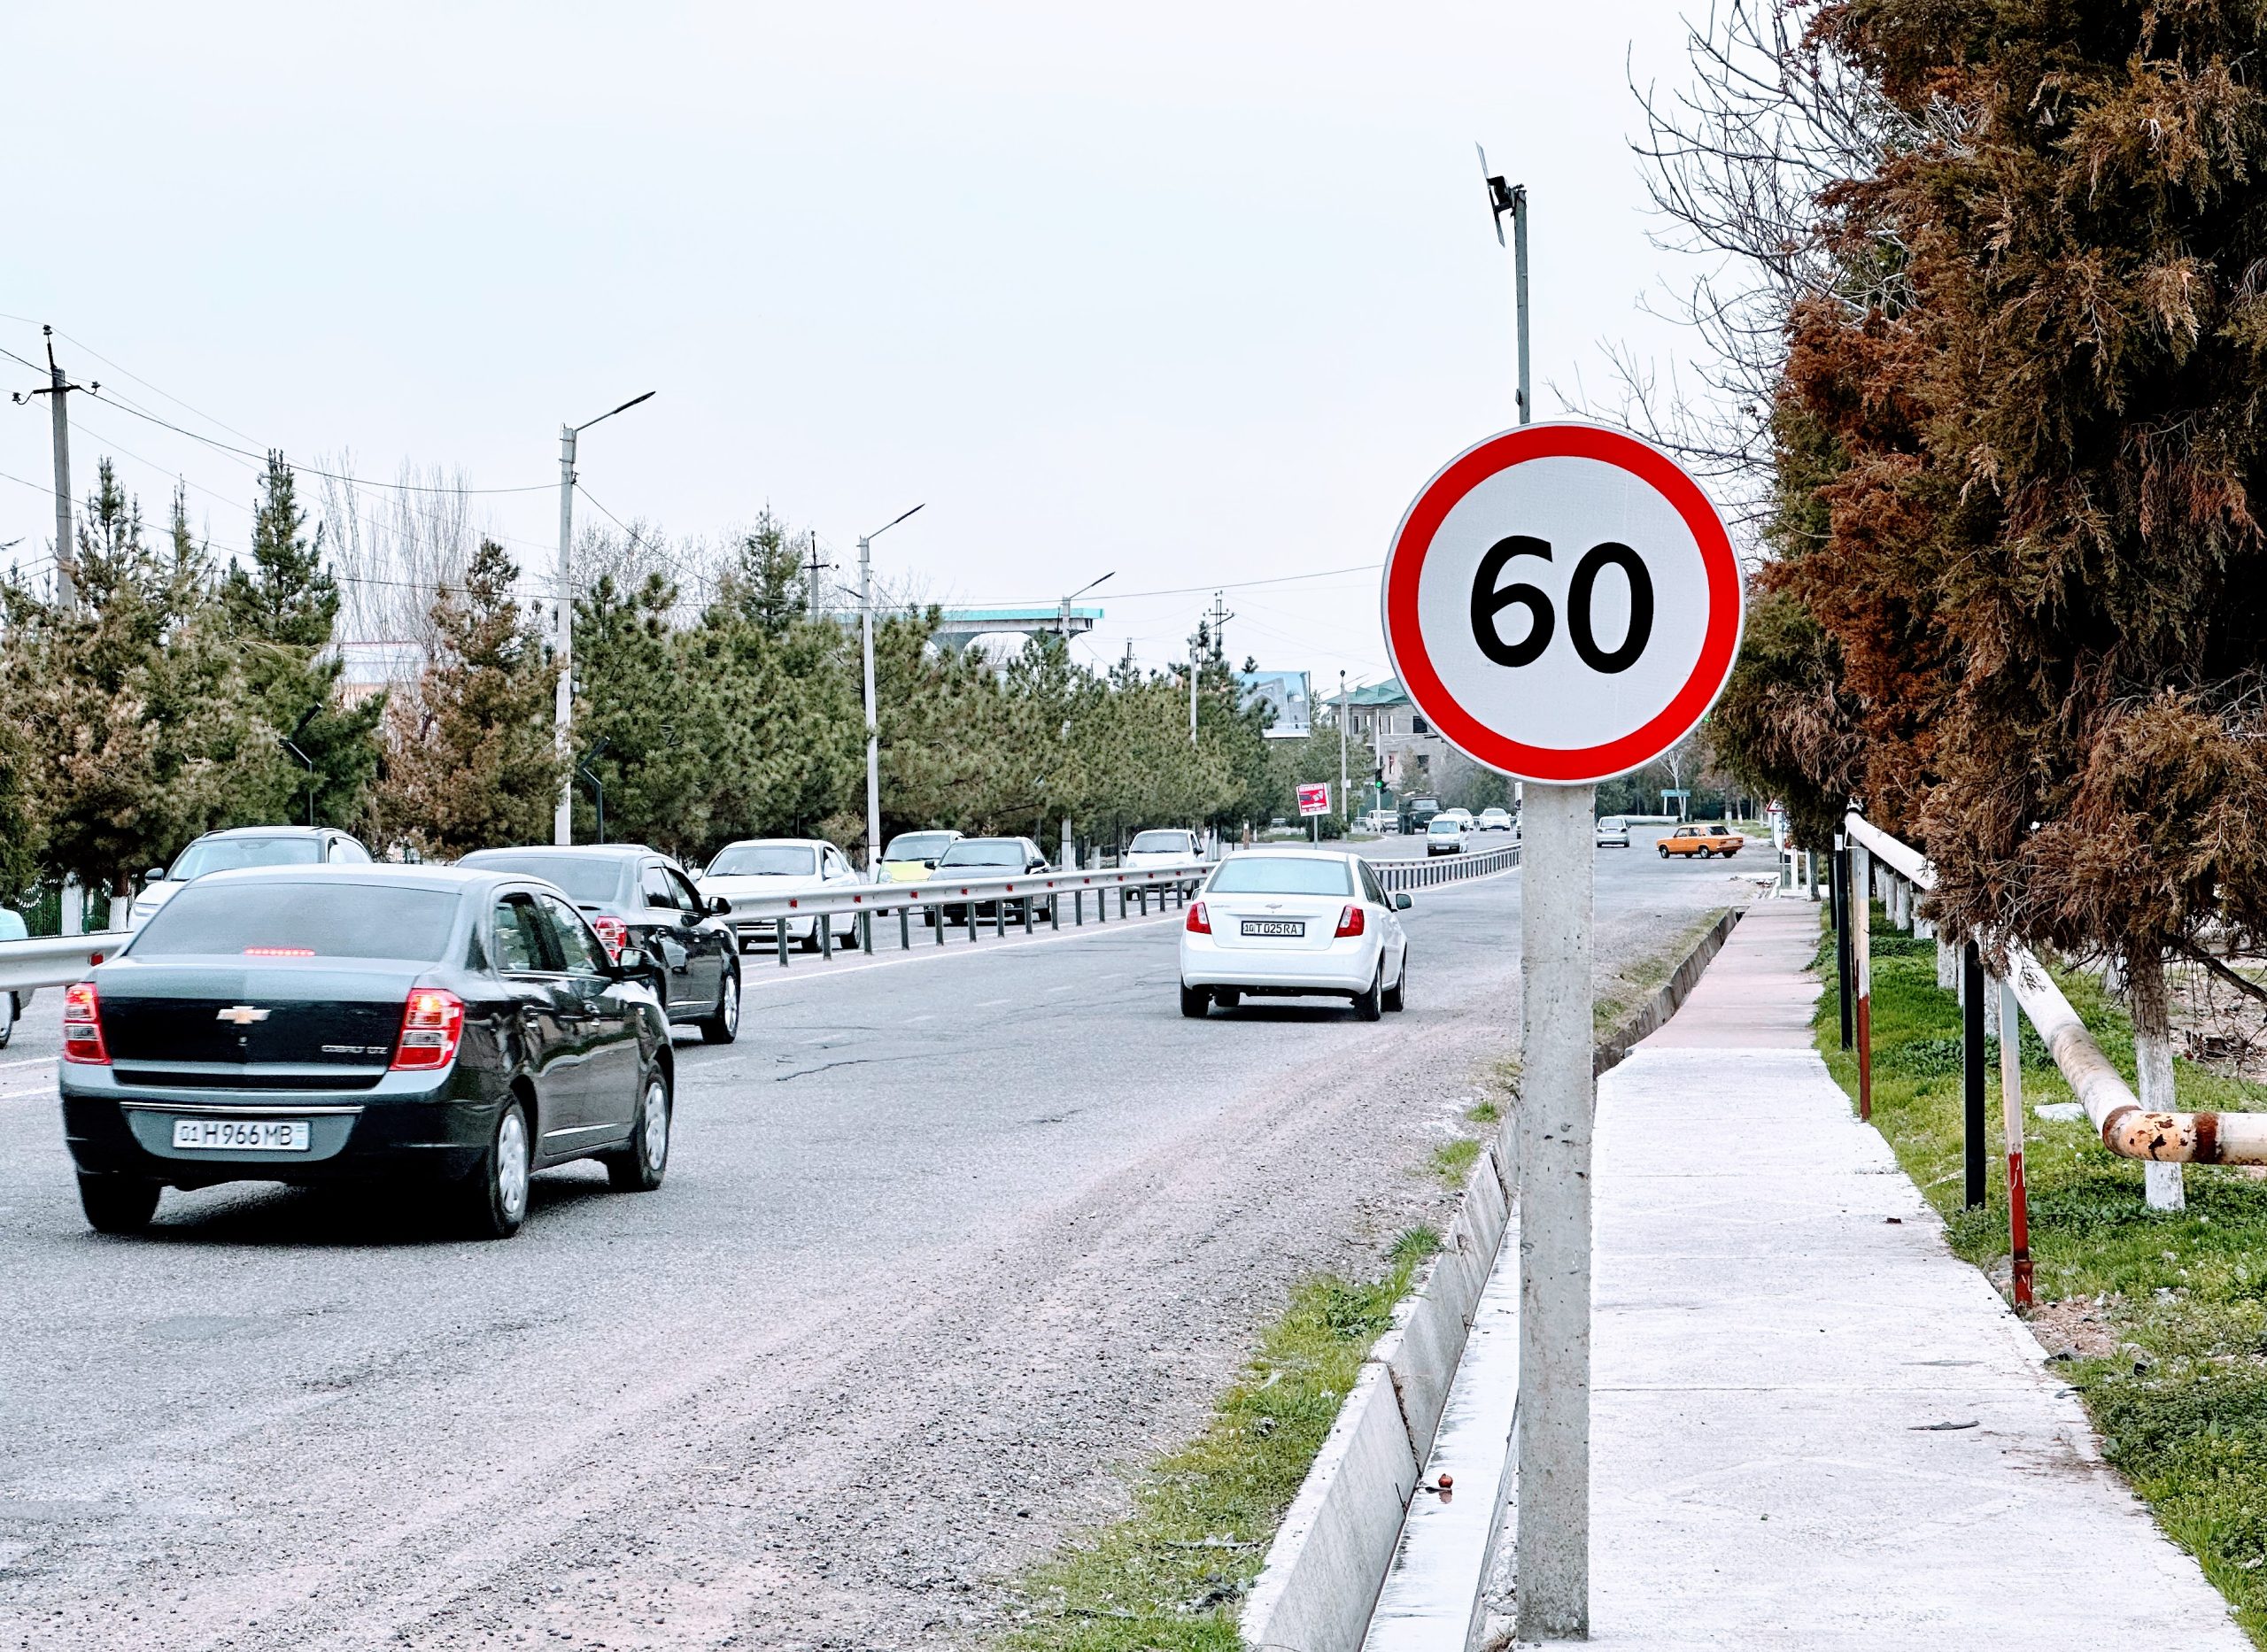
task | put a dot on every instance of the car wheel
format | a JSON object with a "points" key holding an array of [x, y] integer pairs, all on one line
{"points": [[1397, 996], [1370, 1005], [1227, 997], [1195, 1002], [7, 1018], [117, 1204], [1664, 849], [494, 1197], [724, 1025], [809, 943], [638, 1167]]}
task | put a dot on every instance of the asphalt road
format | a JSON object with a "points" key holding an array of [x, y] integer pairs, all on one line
{"points": [[949, 1239]]}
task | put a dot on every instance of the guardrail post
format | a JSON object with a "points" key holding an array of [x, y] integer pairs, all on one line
{"points": [[1027, 906], [780, 929], [1861, 972], [1971, 1051], [826, 936], [2011, 1123], [866, 933], [1078, 908], [972, 922], [937, 913], [1054, 913], [905, 928], [1839, 865]]}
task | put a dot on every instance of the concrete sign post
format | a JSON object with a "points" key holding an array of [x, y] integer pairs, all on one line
{"points": [[1563, 604]]}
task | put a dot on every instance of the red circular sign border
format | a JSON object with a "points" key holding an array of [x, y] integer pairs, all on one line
{"points": [[1405, 643]]}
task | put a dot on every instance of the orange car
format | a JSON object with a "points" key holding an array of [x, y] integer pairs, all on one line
{"points": [[1702, 840]]}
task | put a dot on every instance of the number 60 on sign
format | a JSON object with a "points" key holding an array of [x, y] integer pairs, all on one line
{"points": [[1563, 603]]}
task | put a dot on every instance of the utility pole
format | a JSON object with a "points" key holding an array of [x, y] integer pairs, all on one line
{"points": [[1062, 616], [58, 387], [866, 648], [1345, 798], [1220, 618], [1194, 643], [810, 585], [562, 704]]}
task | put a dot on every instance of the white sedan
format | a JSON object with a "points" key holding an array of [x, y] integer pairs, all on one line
{"points": [[1294, 923], [779, 865]]}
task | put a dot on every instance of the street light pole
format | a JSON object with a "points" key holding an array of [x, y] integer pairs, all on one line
{"points": [[873, 731], [1062, 619], [1345, 798], [562, 703]]}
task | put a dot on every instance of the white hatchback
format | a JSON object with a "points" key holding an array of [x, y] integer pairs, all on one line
{"points": [[1294, 923]]}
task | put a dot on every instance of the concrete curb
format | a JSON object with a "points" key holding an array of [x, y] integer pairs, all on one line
{"points": [[1331, 1554]]}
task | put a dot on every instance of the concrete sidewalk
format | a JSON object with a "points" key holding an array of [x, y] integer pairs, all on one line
{"points": [[1814, 1428]]}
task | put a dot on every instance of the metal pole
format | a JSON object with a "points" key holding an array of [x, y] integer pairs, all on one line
{"points": [[1192, 694], [1552, 1431], [873, 738], [1519, 282], [562, 706], [2011, 1122], [1841, 865], [1345, 798], [1861, 972], [1971, 1050]]}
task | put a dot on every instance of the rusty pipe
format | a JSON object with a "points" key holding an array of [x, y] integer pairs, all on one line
{"points": [[2127, 1130]]}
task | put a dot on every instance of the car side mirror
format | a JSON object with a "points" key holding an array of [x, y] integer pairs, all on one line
{"points": [[155, 874], [719, 908], [630, 960], [1402, 903]]}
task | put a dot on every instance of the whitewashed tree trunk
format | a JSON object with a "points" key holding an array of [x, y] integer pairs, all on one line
{"points": [[1948, 971], [2145, 995]]}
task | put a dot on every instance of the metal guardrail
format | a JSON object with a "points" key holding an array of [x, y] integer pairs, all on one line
{"points": [[1037, 897], [1399, 875], [55, 960]]}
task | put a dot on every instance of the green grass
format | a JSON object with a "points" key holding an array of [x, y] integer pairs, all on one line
{"points": [[1452, 1161], [2182, 1405], [1484, 1112], [1617, 998], [1172, 1575]]}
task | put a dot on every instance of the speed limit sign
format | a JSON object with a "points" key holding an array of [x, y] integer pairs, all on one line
{"points": [[1562, 603]]}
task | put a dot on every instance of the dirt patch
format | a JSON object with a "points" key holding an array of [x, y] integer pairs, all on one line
{"points": [[2079, 1326]]}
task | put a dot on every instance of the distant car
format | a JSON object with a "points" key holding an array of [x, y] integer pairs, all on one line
{"points": [[911, 856], [1703, 841], [241, 847], [1445, 834], [1460, 815], [757, 867], [987, 857], [1384, 822], [442, 1026], [1162, 846], [1493, 820], [1294, 923], [1612, 832], [12, 1004], [634, 896], [1417, 811]]}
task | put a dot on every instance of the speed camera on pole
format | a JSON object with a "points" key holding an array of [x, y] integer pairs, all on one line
{"points": [[1563, 604]]}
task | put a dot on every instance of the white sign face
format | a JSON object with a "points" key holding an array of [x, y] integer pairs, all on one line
{"points": [[1563, 603]]}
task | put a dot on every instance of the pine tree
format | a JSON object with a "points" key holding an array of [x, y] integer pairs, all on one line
{"points": [[470, 761], [281, 611]]}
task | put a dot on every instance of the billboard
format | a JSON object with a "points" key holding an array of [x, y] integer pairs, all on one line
{"points": [[1287, 698], [1314, 800]]}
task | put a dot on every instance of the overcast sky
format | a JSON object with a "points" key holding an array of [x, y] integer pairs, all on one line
{"points": [[1197, 294]]}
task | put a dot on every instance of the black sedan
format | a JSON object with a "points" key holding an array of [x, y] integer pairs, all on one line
{"points": [[636, 897], [449, 1029], [987, 857]]}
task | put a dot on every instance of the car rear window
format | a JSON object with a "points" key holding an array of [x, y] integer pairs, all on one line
{"points": [[232, 854], [1281, 874], [584, 877], [301, 919]]}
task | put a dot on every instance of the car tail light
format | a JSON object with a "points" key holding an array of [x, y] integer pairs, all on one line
{"points": [[1200, 921], [1349, 921], [432, 1022], [83, 1025], [614, 934]]}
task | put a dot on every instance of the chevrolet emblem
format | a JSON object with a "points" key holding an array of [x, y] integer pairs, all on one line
{"points": [[242, 1014]]}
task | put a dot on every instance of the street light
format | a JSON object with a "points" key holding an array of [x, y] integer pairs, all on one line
{"points": [[1063, 624], [873, 736], [562, 711]]}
